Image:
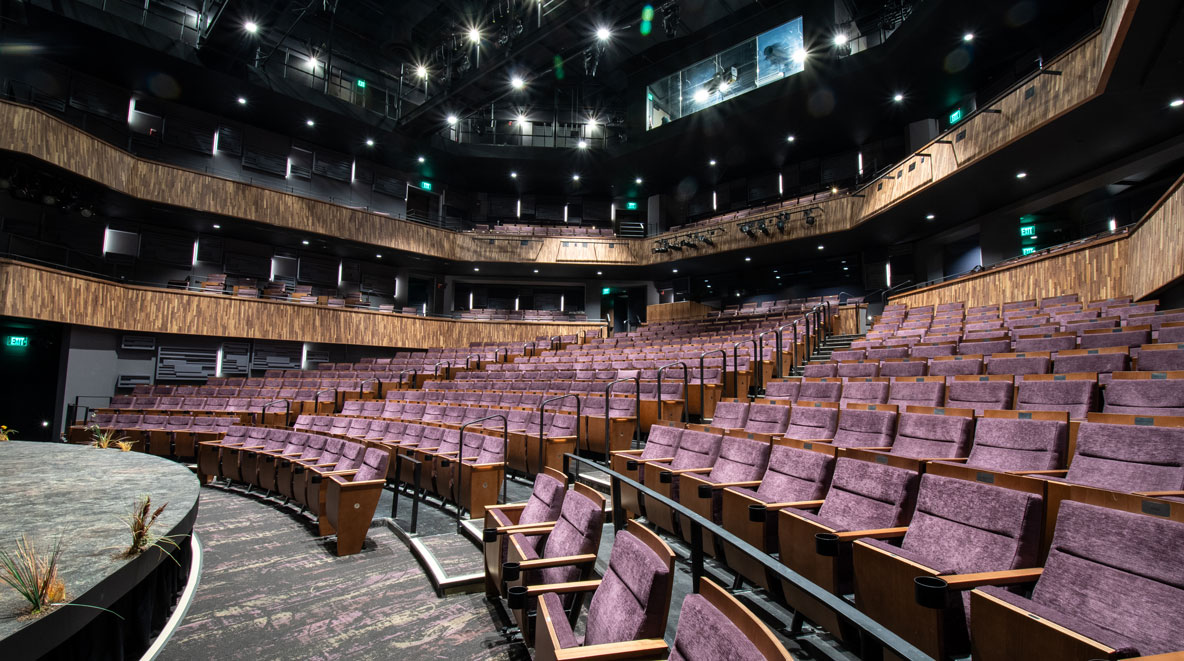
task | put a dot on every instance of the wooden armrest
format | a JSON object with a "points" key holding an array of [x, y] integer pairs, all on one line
{"points": [[564, 561], [630, 453], [339, 473], [365, 484], [1159, 494], [485, 467], [446, 454], [544, 529], [690, 471], [799, 505], [659, 460], [646, 648], [1055, 473], [562, 588], [725, 485], [878, 533], [560, 438], [506, 506], [1007, 577], [322, 465], [518, 527]]}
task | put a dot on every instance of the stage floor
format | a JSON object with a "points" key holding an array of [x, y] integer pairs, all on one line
{"points": [[81, 494]]}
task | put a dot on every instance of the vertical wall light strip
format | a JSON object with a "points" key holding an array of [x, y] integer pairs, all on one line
{"points": [[107, 242], [353, 172], [304, 356], [194, 249], [340, 271], [780, 184], [271, 278], [1113, 225], [562, 302], [218, 362], [861, 163], [565, 213], [131, 110], [470, 300], [215, 152], [515, 304], [714, 202], [518, 209], [612, 213], [288, 170], [888, 274]]}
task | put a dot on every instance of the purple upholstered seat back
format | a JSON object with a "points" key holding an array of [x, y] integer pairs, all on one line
{"points": [[1116, 573], [1145, 397], [1019, 365], [880, 353], [1128, 457], [315, 447], [374, 463], [808, 422], [1010, 444], [1076, 397], [857, 370], [956, 367], [626, 606], [904, 368], [864, 392], [697, 449], [1041, 343], [794, 475], [706, 634], [1102, 363], [546, 498], [917, 393], [1163, 360], [860, 428], [352, 455], [740, 460], [332, 453], [1120, 338], [980, 395], [730, 415], [923, 435], [783, 390], [933, 350], [767, 418], [865, 496], [576, 532], [821, 391], [820, 370], [663, 441]]}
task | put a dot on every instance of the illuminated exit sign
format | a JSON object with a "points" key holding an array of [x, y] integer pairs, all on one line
{"points": [[632, 206], [1028, 230], [956, 116], [16, 341], [426, 185]]}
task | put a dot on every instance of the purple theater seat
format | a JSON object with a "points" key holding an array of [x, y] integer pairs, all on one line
{"points": [[865, 426], [847, 354], [812, 421], [1019, 444], [631, 602], [820, 370], [1131, 336], [730, 415], [576, 532], [816, 390], [861, 369], [792, 475], [1046, 342], [783, 389], [879, 354], [984, 347], [933, 350], [980, 393], [767, 419], [1152, 396], [1161, 357], [1172, 333], [903, 367], [1019, 364], [863, 495], [955, 366], [1075, 394], [1112, 577], [1103, 362], [350, 500], [1128, 458], [861, 391], [932, 435], [917, 391], [740, 460], [958, 527], [713, 625]]}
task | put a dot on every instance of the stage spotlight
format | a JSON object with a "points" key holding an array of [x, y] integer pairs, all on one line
{"points": [[517, 83], [604, 34], [763, 227], [452, 120], [840, 39], [809, 218], [251, 26], [474, 35], [701, 95], [421, 71]]}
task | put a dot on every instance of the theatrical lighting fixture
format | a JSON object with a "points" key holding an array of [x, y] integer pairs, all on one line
{"points": [[637, 181], [701, 95], [369, 142], [790, 138], [521, 118], [87, 211], [898, 97], [452, 120], [840, 39], [517, 83], [536, 270], [575, 177], [251, 26], [421, 159], [1176, 103], [968, 37], [305, 242], [748, 259], [834, 190], [421, 71], [1021, 175], [747, 229], [310, 122], [763, 227], [930, 217], [820, 247], [217, 226], [513, 175], [707, 240], [711, 162], [476, 268], [378, 256], [242, 100], [799, 55], [809, 218], [592, 122], [674, 270], [781, 222], [474, 35], [604, 34], [599, 273]]}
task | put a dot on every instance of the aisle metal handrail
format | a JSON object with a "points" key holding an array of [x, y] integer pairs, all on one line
{"points": [[686, 387], [875, 637]]}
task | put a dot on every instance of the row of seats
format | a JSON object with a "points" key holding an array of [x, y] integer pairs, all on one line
{"points": [[540, 555], [163, 435], [827, 514], [338, 482]]}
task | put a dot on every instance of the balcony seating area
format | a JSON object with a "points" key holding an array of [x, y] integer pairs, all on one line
{"points": [[483, 314], [523, 229]]}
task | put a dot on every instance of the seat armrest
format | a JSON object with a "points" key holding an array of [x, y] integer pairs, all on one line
{"points": [[562, 588], [1006, 577], [799, 505], [690, 471], [1053, 473], [725, 485], [519, 527], [544, 529], [877, 533], [563, 561], [646, 648], [1159, 494], [626, 453], [354, 486]]}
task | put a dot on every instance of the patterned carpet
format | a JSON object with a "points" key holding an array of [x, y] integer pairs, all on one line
{"points": [[271, 590]]}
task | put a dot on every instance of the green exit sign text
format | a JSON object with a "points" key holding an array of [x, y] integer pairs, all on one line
{"points": [[956, 116], [1028, 230], [426, 185], [632, 206], [361, 84], [606, 291], [1029, 251], [16, 341]]}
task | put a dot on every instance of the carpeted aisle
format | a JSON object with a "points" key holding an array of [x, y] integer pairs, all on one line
{"points": [[271, 590]]}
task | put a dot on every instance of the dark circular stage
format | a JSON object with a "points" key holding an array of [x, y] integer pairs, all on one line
{"points": [[82, 495]]}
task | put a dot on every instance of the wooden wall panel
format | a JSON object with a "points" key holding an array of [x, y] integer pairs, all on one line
{"points": [[1095, 271], [36, 292], [676, 311], [1157, 244], [847, 319]]}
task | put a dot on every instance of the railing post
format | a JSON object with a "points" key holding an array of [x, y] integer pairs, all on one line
{"points": [[543, 412], [637, 414], [702, 385], [736, 364], [686, 387]]}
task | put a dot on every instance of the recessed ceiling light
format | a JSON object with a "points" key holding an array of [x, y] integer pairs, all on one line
{"points": [[474, 35], [834, 189], [513, 175], [305, 242], [1020, 175], [369, 142], [310, 122], [378, 256], [582, 144], [846, 267], [592, 122], [242, 100], [790, 138], [217, 226], [604, 34], [778, 277], [599, 273], [251, 26], [898, 97], [421, 159], [748, 259], [522, 119], [421, 71], [674, 270], [536, 270], [517, 83], [575, 177], [475, 268], [701, 95], [930, 217], [637, 181], [711, 162], [452, 120], [1176, 103], [820, 247], [840, 39], [969, 36]]}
